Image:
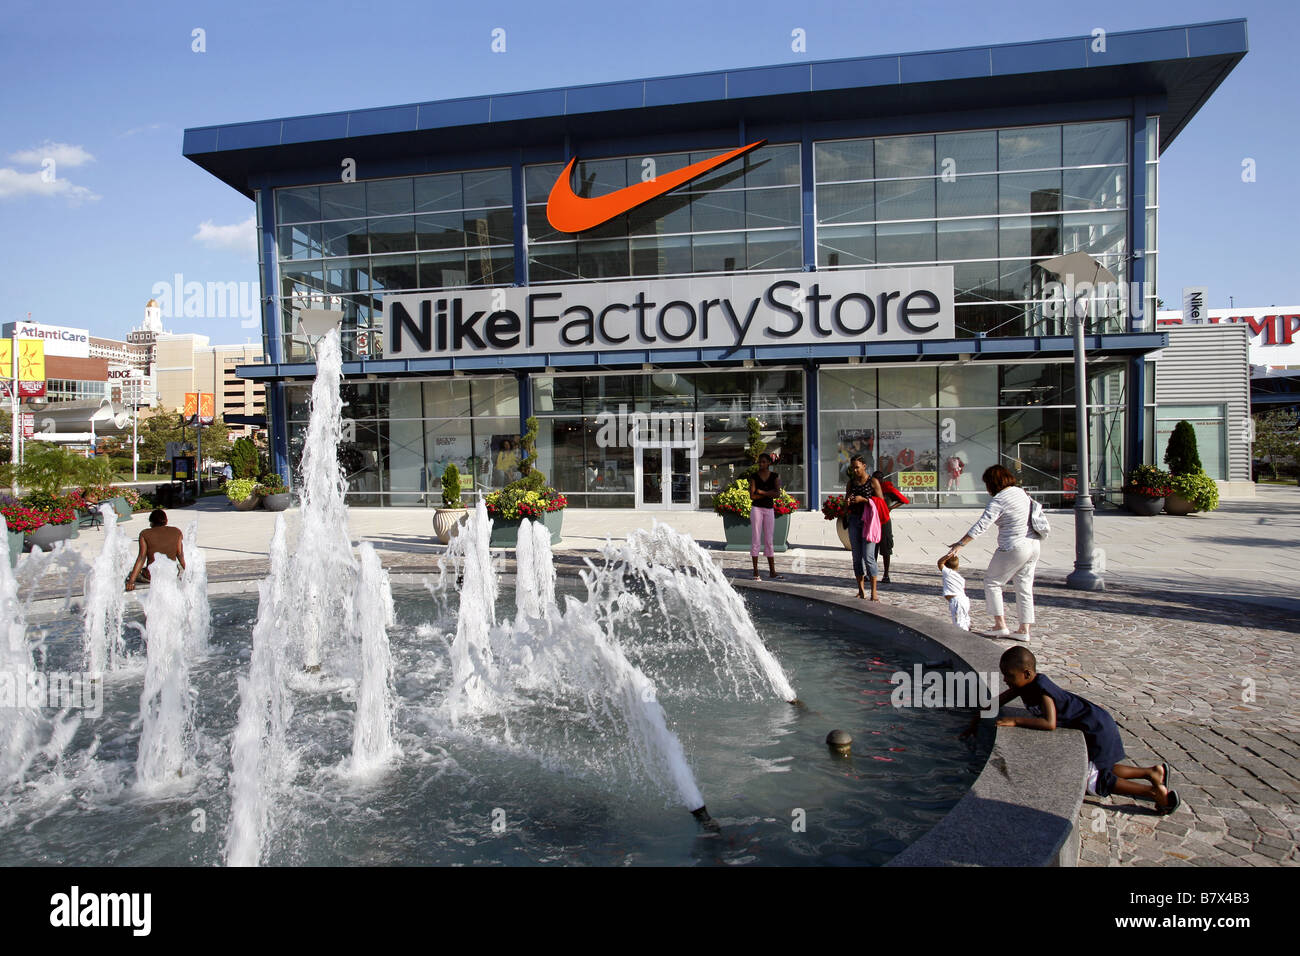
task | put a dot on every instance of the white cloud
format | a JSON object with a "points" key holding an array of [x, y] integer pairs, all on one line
{"points": [[63, 154], [14, 184], [140, 129], [240, 237]]}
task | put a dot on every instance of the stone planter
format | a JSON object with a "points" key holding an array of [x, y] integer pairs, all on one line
{"points": [[738, 536], [248, 504], [1176, 504], [16, 541], [277, 502], [447, 522], [842, 530], [47, 535], [1143, 505], [505, 531]]}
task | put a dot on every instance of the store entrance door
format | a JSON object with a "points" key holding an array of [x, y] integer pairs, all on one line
{"points": [[666, 477]]}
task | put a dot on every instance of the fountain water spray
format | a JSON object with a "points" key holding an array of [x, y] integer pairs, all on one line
{"points": [[19, 722], [166, 738], [104, 648], [372, 732], [194, 586], [473, 665]]}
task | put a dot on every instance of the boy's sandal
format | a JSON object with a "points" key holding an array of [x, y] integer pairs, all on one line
{"points": [[776, 577], [1168, 772], [756, 576], [1174, 804]]}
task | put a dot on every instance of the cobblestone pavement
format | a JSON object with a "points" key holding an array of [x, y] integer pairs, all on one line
{"points": [[1206, 685]]}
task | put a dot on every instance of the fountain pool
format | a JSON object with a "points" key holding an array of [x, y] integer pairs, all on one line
{"points": [[544, 778]]}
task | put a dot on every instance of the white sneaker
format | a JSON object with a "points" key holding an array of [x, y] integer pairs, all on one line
{"points": [[1017, 636], [1001, 632]]}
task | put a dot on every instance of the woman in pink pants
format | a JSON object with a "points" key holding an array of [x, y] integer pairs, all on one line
{"points": [[764, 488], [1016, 556]]}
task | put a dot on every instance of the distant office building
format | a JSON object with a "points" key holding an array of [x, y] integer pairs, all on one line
{"points": [[187, 363]]}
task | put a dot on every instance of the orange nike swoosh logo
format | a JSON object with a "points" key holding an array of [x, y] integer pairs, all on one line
{"points": [[569, 212]]}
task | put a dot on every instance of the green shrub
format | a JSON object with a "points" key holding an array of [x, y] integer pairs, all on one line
{"points": [[1198, 488], [51, 468], [239, 489], [451, 487], [1181, 454], [244, 458]]}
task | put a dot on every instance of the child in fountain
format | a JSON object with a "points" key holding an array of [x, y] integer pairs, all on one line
{"points": [[954, 589], [1052, 707], [157, 539]]}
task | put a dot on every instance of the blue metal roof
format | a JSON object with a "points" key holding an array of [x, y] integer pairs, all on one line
{"points": [[1180, 65]]}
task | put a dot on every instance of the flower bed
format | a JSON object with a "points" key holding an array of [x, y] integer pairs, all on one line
{"points": [[1148, 481], [515, 503]]}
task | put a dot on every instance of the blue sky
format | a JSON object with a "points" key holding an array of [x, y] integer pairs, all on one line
{"points": [[107, 90]]}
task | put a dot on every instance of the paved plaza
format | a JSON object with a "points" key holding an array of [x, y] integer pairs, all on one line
{"points": [[1192, 646]]}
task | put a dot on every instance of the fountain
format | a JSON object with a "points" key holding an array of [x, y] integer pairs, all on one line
{"points": [[166, 737], [105, 604]]}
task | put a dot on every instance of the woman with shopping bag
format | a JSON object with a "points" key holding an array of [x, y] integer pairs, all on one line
{"points": [[866, 512]]}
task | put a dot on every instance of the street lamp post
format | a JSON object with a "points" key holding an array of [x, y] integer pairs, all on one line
{"points": [[1075, 268]]}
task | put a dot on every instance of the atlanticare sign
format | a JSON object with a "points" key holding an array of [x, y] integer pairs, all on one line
{"points": [[727, 312]]}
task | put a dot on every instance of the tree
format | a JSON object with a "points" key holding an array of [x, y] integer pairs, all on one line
{"points": [[244, 458], [1180, 454], [1276, 436], [155, 432]]}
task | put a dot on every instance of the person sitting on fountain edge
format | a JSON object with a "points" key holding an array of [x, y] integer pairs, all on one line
{"points": [[1052, 707], [157, 539]]}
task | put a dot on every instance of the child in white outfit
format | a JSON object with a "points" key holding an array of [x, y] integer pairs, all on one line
{"points": [[954, 589]]}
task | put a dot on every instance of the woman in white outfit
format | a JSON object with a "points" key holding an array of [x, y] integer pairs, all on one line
{"points": [[1017, 553]]}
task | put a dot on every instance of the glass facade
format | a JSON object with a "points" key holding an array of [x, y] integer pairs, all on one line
{"points": [[934, 429], [342, 246], [742, 217], [75, 390], [990, 203], [399, 437], [585, 445]]}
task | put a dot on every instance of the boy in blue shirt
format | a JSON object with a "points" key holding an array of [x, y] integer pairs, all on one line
{"points": [[1053, 707]]}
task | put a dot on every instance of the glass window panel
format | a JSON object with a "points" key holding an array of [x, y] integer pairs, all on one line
{"points": [[395, 234], [387, 197], [846, 246], [659, 163], [772, 207], [670, 213], [557, 394], [718, 210], [967, 196], [1096, 232], [975, 281], [905, 242], [899, 156], [907, 444], [1207, 423], [599, 176], [300, 242], [539, 180], [772, 166], [608, 257], [553, 262], [348, 275], [561, 446], [440, 270], [298, 277], [720, 252], [1152, 198], [495, 396], [844, 160], [1036, 448], [906, 199], [843, 435], [668, 256], [442, 231], [539, 228], [907, 388], [989, 319], [968, 386], [434, 193], [780, 249], [488, 227], [1101, 188], [1030, 384], [1029, 148], [391, 273], [974, 448], [1029, 192], [301, 204], [348, 237], [488, 187], [446, 397], [606, 392], [846, 202], [849, 387], [1090, 144], [968, 239], [969, 152], [343, 201], [490, 267]]}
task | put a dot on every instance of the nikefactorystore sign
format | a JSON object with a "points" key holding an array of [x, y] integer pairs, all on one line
{"points": [[859, 306]]}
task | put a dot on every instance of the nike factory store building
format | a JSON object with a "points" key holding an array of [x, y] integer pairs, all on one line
{"points": [[847, 251]]}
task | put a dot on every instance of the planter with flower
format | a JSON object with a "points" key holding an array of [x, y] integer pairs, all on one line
{"points": [[528, 498], [242, 493], [20, 520], [734, 506], [453, 513], [836, 508], [1145, 490], [274, 493], [59, 524]]}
